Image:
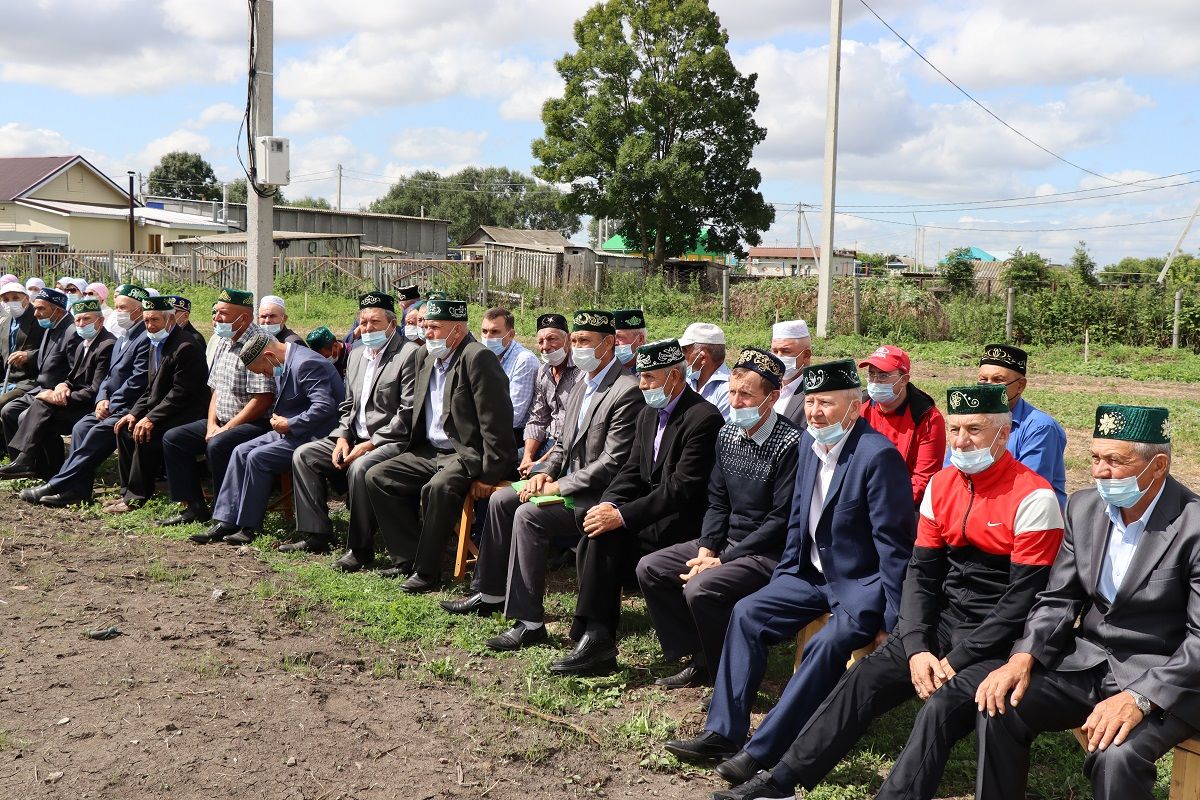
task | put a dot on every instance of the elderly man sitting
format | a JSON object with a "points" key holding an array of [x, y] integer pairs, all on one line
{"points": [[704, 351], [20, 340], [792, 344], [630, 327], [272, 318], [323, 341]]}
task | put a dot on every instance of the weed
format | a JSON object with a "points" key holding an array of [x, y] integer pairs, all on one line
{"points": [[159, 572], [297, 664], [210, 665], [444, 669]]}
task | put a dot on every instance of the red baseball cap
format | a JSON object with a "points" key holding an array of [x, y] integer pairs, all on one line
{"points": [[887, 358]]}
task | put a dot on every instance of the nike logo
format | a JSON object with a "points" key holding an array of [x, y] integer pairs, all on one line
{"points": [[994, 524]]}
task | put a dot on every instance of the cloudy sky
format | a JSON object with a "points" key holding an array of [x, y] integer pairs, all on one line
{"points": [[388, 86]]}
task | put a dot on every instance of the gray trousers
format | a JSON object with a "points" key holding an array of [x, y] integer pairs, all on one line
{"points": [[513, 550], [312, 473], [691, 618]]}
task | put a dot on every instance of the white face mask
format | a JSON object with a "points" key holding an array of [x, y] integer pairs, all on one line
{"points": [[555, 357], [438, 348], [412, 333], [124, 320], [790, 370], [15, 307]]}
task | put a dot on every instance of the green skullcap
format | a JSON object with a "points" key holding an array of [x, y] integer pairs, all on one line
{"points": [[160, 303], [831, 376], [446, 310], [628, 319], [129, 290], [978, 398], [89, 306], [237, 297], [321, 338], [659, 355], [1145, 424]]}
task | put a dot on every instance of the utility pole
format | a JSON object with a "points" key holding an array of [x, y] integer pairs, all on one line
{"points": [[799, 239], [141, 188], [825, 273], [339, 192], [260, 246], [131, 231], [1162, 276], [225, 202]]}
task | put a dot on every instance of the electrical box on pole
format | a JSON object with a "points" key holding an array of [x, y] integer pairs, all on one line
{"points": [[272, 155]]}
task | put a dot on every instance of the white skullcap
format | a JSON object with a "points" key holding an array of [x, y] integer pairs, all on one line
{"points": [[12, 286], [791, 329], [272, 300], [702, 333], [80, 284], [8, 278], [150, 290], [64, 279], [35, 283]]}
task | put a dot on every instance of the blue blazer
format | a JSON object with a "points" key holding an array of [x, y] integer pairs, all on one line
{"points": [[867, 527], [308, 394], [128, 371]]}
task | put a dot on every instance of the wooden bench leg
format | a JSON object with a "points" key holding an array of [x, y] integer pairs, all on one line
{"points": [[467, 553], [1185, 772], [283, 504], [812, 629]]}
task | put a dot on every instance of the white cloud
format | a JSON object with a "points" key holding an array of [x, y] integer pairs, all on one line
{"points": [[217, 113], [154, 150], [20, 140], [417, 145]]}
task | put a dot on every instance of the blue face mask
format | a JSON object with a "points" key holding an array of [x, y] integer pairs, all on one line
{"points": [[1121, 492], [882, 393], [375, 339], [158, 336], [692, 372], [624, 353], [495, 345], [438, 348], [830, 435], [223, 329], [972, 462], [746, 418], [87, 332], [272, 329], [657, 397], [277, 371], [46, 323]]}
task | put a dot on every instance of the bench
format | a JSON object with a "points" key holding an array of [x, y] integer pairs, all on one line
{"points": [[467, 552], [1185, 769], [812, 629]]}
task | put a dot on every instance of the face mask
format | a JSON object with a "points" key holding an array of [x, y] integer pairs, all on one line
{"points": [[15, 307], [746, 418], [438, 348], [624, 353], [972, 462], [271, 330], [881, 393], [277, 371], [495, 345], [124, 320], [87, 332], [657, 398], [223, 329], [158, 336], [586, 358], [692, 371], [46, 323], [1121, 492], [412, 333], [555, 357], [830, 435], [373, 340], [789, 367]]}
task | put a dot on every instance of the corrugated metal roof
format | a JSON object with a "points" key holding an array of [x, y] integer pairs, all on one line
{"points": [[275, 235], [18, 175], [516, 236], [156, 216]]}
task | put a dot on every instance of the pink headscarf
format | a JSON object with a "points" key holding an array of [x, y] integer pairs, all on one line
{"points": [[100, 289]]}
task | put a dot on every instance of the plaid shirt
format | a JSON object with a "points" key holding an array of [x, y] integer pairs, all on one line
{"points": [[550, 400], [231, 381], [521, 367]]}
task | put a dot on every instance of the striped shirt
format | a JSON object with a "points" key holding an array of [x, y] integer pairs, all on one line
{"points": [[521, 367], [229, 379]]}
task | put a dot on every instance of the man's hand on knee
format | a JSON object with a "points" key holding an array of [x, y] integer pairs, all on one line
{"points": [[1111, 721]]}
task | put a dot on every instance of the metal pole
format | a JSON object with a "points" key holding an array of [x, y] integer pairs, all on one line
{"points": [[131, 229], [799, 239], [811, 240], [339, 188], [598, 281], [1175, 326], [825, 274], [1009, 307], [260, 261], [225, 202], [725, 295], [1162, 276]]}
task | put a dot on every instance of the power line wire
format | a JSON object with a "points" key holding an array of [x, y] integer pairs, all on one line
{"points": [[1014, 230]]}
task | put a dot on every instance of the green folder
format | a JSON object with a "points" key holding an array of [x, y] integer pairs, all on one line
{"points": [[548, 500]]}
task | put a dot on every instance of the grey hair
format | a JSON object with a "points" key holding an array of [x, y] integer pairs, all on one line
{"points": [[1148, 451], [389, 315]]}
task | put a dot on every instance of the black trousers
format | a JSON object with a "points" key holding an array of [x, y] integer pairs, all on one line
{"points": [[871, 688], [183, 444], [691, 618], [1058, 701], [418, 499], [605, 565], [140, 464], [36, 428], [312, 473]]}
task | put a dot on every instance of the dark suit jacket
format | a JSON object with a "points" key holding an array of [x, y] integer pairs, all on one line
{"points": [[795, 411], [587, 456], [389, 398], [286, 335], [128, 372], [477, 413], [663, 499], [195, 335], [29, 336], [308, 394], [89, 370], [56, 353], [867, 527], [178, 390], [1150, 634]]}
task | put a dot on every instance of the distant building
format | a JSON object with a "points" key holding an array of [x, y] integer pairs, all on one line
{"points": [[787, 262], [544, 241], [288, 244], [64, 202], [618, 244]]}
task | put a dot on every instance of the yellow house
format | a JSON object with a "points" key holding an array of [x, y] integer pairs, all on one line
{"points": [[64, 200]]}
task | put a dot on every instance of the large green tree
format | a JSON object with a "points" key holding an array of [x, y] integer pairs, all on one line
{"points": [[655, 128], [1026, 271], [1083, 266], [480, 196], [184, 175], [959, 272], [1130, 270]]}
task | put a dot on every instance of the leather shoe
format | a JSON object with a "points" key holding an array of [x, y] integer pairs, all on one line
{"points": [[242, 536], [63, 500], [593, 655], [761, 785], [419, 583], [471, 605], [739, 769], [708, 746], [214, 534], [518, 636], [350, 562], [36, 493], [313, 544], [17, 469], [401, 570], [186, 517], [691, 675]]}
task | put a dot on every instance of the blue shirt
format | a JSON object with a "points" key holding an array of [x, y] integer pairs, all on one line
{"points": [[521, 367], [715, 390], [1122, 544]]}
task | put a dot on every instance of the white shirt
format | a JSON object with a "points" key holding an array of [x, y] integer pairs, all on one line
{"points": [[371, 357], [824, 478], [434, 431], [786, 393], [592, 385], [1122, 544]]}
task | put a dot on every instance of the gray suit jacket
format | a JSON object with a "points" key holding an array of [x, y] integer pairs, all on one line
{"points": [[1150, 634], [390, 398], [588, 456]]}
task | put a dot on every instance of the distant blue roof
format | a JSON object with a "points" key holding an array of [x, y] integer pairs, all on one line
{"points": [[975, 254]]}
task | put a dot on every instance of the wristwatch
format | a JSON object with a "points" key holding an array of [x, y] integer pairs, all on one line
{"points": [[1141, 701]]}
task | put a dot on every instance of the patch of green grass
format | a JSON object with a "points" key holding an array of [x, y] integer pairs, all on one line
{"points": [[296, 663], [444, 669], [159, 572], [211, 665]]}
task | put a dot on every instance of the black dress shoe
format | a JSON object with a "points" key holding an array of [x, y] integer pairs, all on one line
{"points": [[593, 655], [419, 583], [350, 562], [739, 769], [471, 605], [18, 469], [402, 570], [691, 675], [518, 636], [242, 536], [761, 785], [36, 493], [708, 746], [64, 499], [214, 534], [313, 544], [186, 517]]}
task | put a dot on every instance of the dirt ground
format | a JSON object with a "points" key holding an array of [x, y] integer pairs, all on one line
{"points": [[214, 691]]}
